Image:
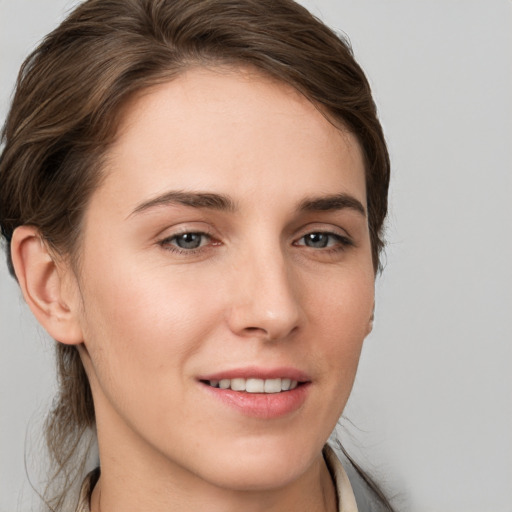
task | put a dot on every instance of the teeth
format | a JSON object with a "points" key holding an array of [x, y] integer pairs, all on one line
{"points": [[272, 385], [224, 384], [238, 384], [285, 384], [255, 385]]}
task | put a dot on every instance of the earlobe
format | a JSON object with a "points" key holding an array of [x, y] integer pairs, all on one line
{"points": [[42, 282]]}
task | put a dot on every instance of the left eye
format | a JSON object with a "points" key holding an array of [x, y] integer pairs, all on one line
{"points": [[187, 240], [320, 240]]}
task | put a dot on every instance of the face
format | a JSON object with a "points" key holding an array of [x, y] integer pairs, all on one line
{"points": [[226, 249]]}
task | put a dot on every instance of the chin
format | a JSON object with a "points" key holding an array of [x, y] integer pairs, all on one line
{"points": [[256, 478], [260, 467]]}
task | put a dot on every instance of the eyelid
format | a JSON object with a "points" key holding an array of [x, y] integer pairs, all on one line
{"points": [[323, 227], [179, 228]]}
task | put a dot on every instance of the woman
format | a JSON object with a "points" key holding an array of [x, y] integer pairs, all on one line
{"points": [[193, 195]]}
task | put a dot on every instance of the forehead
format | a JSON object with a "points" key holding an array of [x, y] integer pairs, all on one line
{"points": [[221, 128]]}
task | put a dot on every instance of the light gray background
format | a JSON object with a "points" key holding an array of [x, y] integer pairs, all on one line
{"points": [[432, 406]]}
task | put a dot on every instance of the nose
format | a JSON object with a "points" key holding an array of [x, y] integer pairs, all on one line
{"points": [[266, 299]]}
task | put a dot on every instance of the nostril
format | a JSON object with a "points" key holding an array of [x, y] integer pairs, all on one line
{"points": [[256, 331]]}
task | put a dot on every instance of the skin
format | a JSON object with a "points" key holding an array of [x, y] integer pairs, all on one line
{"points": [[150, 317]]}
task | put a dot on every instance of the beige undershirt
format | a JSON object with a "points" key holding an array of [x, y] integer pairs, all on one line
{"points": [[346, 499]]}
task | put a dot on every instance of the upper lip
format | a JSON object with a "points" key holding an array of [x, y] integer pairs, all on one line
{"points": [[257, 372]]}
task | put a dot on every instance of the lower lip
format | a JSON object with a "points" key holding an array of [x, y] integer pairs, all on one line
{"points": [[262, 405]]}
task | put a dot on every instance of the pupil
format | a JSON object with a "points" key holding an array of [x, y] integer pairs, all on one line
{"points": [[317, 240], [189, 240]]}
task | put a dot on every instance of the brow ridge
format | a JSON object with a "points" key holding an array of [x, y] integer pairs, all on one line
{"points": [[206, 200], [331, 203], [221, 202]]}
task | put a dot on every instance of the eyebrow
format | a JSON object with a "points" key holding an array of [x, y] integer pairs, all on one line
{"points": [[332, 203], [220, 202], [192, 199]]}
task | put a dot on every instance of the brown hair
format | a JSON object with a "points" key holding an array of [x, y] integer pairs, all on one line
{"points": [[70, 93]]}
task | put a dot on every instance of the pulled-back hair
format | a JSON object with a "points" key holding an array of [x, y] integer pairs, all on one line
{"points": [[70, 95]]}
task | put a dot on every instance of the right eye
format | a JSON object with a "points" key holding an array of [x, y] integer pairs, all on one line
{"points": [[184, 242]]}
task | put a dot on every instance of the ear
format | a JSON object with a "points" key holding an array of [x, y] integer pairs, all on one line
{"points": [[50, 289], [369, 328]]}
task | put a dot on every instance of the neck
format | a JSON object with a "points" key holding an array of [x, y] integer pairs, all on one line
{"points": [[322, 499]]}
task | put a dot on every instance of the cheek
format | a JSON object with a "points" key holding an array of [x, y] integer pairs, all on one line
{"points": [[144, 324], [341, 316], [339, 313], [344, 303]]}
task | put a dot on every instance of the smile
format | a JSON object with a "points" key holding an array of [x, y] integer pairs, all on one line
{"points": [[254, 385]]}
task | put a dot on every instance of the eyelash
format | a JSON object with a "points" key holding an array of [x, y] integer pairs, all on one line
{"points": [[341, 242], [167, 244]]}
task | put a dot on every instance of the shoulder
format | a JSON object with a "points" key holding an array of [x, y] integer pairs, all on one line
{"points": [[346, 498]]}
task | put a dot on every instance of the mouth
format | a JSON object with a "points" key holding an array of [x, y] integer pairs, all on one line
{"points": [[255, 385], [258, 392]]}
